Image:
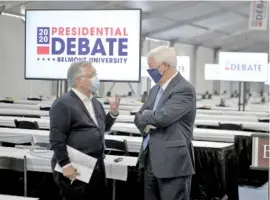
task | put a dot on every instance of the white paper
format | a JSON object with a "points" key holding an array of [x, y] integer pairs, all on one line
{"points": [[83, 163], [118, 170]]}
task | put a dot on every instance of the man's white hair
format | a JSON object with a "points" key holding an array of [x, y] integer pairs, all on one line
{"points": [[164, 54], [74, 71]]}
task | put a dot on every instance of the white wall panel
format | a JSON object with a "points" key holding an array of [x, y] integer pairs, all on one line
{"points": [[204, 56], [12, 81]]}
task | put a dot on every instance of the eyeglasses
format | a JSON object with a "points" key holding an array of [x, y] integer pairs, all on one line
{"points": [[91, 76]]}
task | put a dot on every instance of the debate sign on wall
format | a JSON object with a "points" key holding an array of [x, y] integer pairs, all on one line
{"points": [[110, 39], [267, 82], [258, 16], [246, 67], [183, 66], [211, 72]]}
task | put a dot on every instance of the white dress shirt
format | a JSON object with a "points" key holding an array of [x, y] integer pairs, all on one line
{"points": [[87, 101], [165, 85]]}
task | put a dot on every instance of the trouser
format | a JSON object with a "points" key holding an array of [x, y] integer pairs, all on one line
{"points": [[177, 188], [94, 190]]}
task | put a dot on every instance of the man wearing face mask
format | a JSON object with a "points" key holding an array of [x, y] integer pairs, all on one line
{"points": [[166, 123], [78, 119]]}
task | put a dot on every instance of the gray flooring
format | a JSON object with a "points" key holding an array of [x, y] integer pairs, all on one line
{"points": [[248, 193]]}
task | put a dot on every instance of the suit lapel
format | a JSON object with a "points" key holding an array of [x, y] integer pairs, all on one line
{"points": [[168, 89], [96, 110], [151, 100]]}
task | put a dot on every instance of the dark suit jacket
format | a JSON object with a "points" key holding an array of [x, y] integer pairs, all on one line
{"points": [[170, 144], [71, 124]]}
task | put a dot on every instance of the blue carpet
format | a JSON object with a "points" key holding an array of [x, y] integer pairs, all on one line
{"points": [[248, 193]]}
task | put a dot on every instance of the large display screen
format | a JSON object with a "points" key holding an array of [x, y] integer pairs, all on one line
{"points": [[110, 39]]}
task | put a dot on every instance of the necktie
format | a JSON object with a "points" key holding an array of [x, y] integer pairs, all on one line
{"points": [[146, 138]]}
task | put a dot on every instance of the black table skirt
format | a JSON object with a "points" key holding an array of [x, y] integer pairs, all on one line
{"points": [[247, 176], [215, 177]]}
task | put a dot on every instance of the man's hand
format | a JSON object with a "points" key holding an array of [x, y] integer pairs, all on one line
{"points": [[70, 172], [148, 128], [114, 105]]}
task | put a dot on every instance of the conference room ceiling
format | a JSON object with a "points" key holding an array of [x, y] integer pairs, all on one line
{"points": [[213, 24]]}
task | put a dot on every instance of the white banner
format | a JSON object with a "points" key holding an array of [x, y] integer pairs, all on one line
{"points": [[183, 66], [258, 16], [238, 66], [267, 82], [211, 72]]}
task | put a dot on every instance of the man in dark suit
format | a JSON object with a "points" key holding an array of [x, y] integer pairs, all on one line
{"points": [[166, 122], [78, 119]]}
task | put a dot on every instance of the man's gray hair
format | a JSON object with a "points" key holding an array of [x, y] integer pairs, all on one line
{"points": [[164, 54], [74, 71]]}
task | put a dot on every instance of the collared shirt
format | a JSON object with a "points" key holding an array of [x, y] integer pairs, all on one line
{"points": [[87, 101], [165, 85]]}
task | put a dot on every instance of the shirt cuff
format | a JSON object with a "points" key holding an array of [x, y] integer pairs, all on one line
{"points": [[113, 116], [68, 165], [146, 129]]}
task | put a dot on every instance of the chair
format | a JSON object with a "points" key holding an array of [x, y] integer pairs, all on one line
{"points": [[26, 124], [264, 120], [16, 164], [232, 127], [204, 108], [117, 145], [46, 108], [222, 103], [22, 125], [34, 99], [6, 101], [120, 146]]}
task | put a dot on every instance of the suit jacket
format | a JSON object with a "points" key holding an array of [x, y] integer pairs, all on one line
{"points": [[170, 144], [71, 124]]}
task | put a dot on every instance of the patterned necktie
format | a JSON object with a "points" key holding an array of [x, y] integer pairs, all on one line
{"points": [[147, 137]]}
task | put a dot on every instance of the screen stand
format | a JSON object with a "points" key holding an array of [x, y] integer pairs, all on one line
{"points": [[129, 84], [242, 96], [62, 87]]}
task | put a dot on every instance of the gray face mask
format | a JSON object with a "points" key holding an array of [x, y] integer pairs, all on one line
{"points": [[95, 84]]}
